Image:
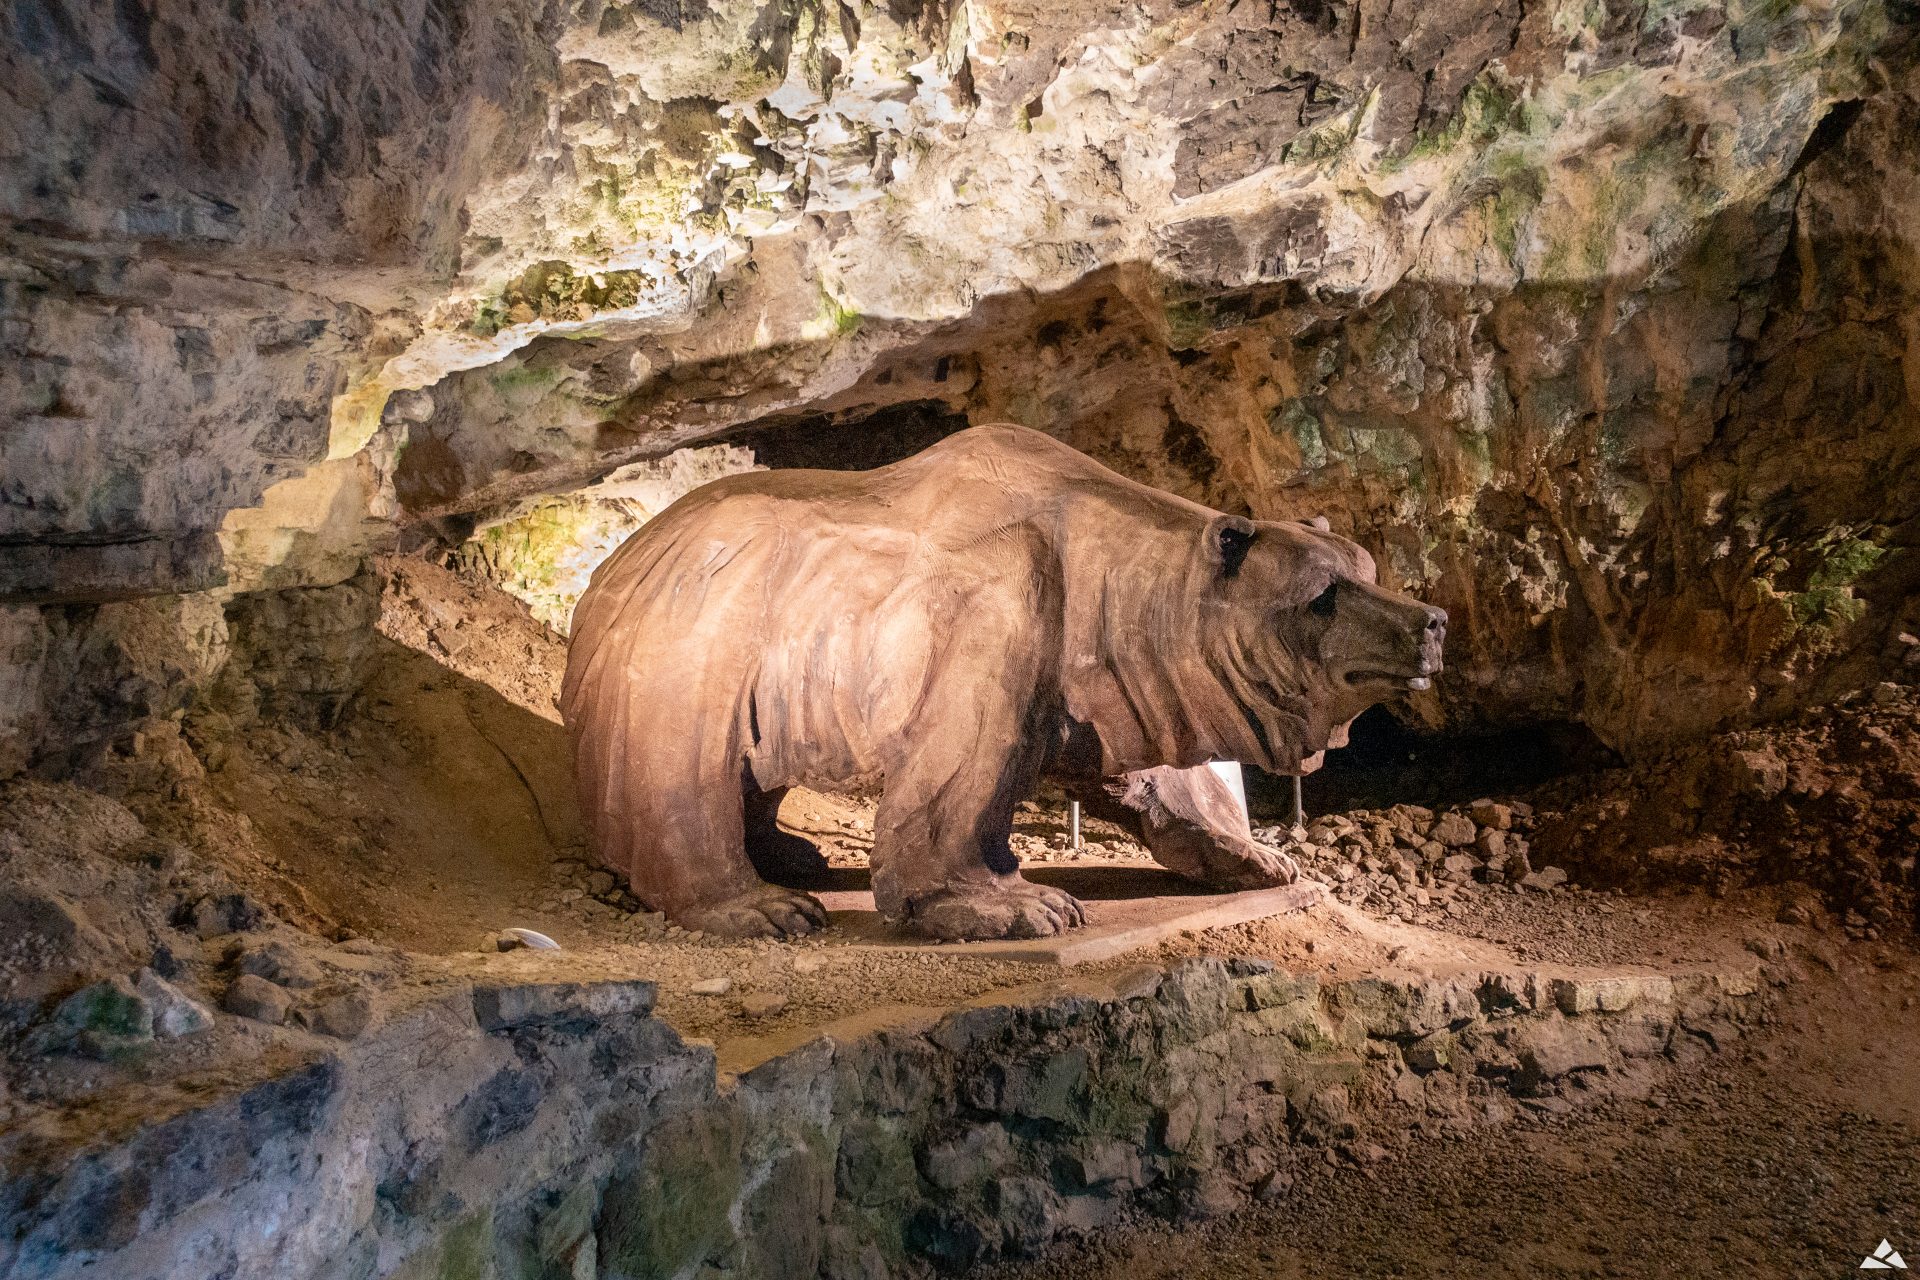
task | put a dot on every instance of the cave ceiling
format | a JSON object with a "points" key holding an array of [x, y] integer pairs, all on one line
{"points": [[1597, 322]]}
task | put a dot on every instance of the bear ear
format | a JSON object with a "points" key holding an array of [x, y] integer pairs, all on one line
{"points": [[1228, 538], [1319, 522]]}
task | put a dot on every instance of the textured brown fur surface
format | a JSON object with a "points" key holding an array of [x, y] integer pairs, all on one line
{"points": [[950, 627]]}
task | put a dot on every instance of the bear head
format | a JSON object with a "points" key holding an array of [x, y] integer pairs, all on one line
{"points": [[1298, 634]]}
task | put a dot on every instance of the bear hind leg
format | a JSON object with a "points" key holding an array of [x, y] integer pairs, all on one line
{"points": [[688, 858]]}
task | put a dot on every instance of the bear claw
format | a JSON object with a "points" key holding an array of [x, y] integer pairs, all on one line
{"points": [[1011, 908], [766, 912]]}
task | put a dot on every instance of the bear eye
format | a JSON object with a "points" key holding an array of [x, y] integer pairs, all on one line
{"points": [[1322, 605]]}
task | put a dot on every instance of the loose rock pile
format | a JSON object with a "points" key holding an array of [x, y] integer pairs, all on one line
{"points": [[1411, 863], [592, 894], [1831, 800], [1097, 846]]}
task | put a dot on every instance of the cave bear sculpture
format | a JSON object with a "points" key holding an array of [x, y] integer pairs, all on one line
{"points": [[951, 627]]}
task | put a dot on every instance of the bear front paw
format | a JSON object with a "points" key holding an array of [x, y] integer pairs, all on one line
{"points": [[1228, 864], [766, 912], [1257, 866], [1007, 908]]}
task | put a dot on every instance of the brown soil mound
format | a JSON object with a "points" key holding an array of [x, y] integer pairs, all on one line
{"points": [[1832, 801]]}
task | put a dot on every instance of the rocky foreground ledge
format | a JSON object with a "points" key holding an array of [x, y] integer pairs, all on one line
{"points": [[559, 1129]]}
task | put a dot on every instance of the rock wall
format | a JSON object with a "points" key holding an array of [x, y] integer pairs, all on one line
{"points": [[1598, 322], [213, 213], [548, 1129]]}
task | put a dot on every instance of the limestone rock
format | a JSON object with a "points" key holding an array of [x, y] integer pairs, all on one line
{"points": [[282, 964], [176, 1015], [1555, 1048], [1491, 813], [216, 916], [506, 1006], [344, 1015], [103, 1020], [1109, 1164], [1029, 1213], [254, 997], [969, 1160], [762, 1004], [1610, 995]]}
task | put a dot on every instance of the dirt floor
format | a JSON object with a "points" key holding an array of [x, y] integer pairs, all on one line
{"points": [[1793, 1155]]}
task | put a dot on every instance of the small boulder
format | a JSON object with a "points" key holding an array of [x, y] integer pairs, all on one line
{"points": [[1328, 1115], [1757, 773], [1800, 910], [1455, 830], [762, 1004], [254, 997], [281, 965], [711, 987], [1492, 843], [1113, 1164], [1430, 1053], [975, 1156], [100, 1021], [1028, 1212], [176, 1014], [217, 915], [1544, 878], [343, 1016], [1491, 813]]}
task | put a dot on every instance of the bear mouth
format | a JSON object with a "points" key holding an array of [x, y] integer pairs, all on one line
{"points": [[1407, 680]]}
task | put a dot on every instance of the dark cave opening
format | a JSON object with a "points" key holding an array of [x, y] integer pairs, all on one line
{"points": [[851, 440], [1386, 762]]}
